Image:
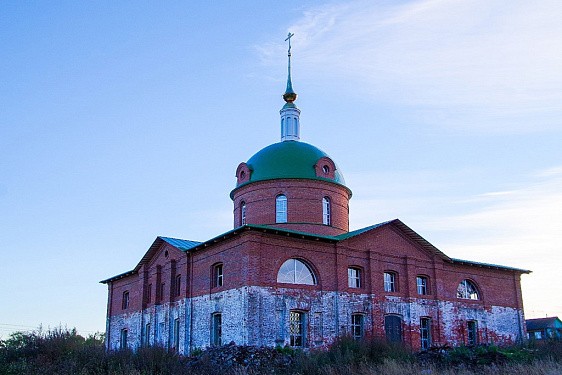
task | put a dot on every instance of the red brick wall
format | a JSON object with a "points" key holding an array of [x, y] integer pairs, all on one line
{"points": [[304, 205], [253, 258]]}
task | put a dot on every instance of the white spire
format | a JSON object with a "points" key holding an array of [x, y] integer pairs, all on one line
{"points": [[290, 124]]}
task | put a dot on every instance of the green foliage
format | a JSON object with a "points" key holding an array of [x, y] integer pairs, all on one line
{"points": [[62, 351], [347, 353]]}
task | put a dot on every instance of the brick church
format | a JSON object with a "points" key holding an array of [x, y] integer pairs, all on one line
{"points": [[291, 273]]}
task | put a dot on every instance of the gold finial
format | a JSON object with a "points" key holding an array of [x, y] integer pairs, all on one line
{"points": [[289, 96]]}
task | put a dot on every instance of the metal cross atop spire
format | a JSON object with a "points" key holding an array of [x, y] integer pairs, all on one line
{"points": [[289, 96], [289, 36]]}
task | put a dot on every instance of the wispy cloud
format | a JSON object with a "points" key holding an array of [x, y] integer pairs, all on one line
{"points": [[519, 227], [483, 65]]}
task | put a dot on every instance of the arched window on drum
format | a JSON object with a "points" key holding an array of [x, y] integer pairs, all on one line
{"points": [[281, 209]]}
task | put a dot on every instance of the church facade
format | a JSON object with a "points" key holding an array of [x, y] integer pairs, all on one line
{"points": [[291, 273]]}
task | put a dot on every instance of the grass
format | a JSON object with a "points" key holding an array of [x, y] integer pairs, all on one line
{"points": [[62, 351]]}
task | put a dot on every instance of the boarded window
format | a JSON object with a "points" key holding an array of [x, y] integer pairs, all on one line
{"points": [[393, 328], [123, 339], [216, 329], [125, 300]]}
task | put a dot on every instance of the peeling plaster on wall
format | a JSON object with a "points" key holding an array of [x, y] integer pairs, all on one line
{"points": [[260, 316]]}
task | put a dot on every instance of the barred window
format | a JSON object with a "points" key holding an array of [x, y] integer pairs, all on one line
{"points": [[296, 329], [425, 333], [357, 330]]}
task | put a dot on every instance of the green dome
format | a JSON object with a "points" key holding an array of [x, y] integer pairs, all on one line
{"points": [[289, 159]]}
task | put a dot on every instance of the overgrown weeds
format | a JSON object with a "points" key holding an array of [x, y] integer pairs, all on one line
{"points": [[62, 351]]}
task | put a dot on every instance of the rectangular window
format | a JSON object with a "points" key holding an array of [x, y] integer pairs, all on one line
{"points": [[421, 282], [357, 326], [178, 285], [216, 330], [149, 293], [425, 333], [125, 301], [296, 329], [161, 328], [217, 275], [354, 277], [538, 335], [147, 334], [472, 328], [123, 339], [326, 214], [281, 209], [389, 282], [162, 291], [177, 334]]}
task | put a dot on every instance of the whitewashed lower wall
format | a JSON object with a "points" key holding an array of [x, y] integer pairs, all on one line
{"points": [[260, 316]]}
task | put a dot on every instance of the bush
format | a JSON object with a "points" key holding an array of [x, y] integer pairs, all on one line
{"points": [[62, 351]]}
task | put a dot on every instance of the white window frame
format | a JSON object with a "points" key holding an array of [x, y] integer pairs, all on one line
{"points": [[326, 211], [354, 277], [218, 275], [390, 281], [299, 272], [464, 292], [421, 285], [281, 208]]}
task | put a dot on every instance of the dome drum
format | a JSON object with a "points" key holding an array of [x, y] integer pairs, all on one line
{"points": [[305, 209]]}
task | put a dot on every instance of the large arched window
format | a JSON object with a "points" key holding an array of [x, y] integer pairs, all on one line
{"points": [[281, 209], [295, 271], [243, 213], [326, 211], [467, 290]]}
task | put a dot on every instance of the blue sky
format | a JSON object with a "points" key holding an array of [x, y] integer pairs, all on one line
{"points": [[123, 121]]}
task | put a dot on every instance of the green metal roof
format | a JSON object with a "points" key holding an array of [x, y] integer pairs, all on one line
{"points": [[289, 159]]}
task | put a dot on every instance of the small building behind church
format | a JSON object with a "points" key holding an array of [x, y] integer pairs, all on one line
{"points": [[291, 273], [544, 329]]}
